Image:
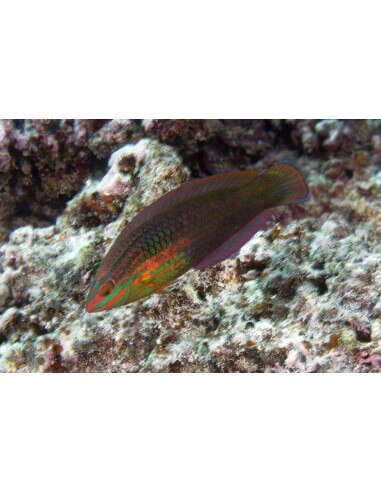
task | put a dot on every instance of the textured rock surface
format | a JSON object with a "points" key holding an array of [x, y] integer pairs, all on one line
{"points": [[304, 295]]}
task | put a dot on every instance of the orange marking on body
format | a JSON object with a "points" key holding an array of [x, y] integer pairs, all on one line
{"points": [[163, 256]]}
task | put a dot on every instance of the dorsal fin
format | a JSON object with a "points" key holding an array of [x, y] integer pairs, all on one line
{"points": [[190, 189], [235, 242]]}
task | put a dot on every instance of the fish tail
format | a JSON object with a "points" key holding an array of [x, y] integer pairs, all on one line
{"points": [[286, 184]]}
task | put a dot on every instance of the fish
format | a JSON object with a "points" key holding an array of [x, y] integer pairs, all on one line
{"points": [[197, 225]]}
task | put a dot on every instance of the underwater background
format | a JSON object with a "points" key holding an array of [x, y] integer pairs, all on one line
{"points": [[303, 295]]}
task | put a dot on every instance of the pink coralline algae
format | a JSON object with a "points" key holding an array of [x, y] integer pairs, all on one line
{"points": [[301, 296]]}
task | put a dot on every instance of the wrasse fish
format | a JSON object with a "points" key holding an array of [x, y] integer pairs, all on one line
{"points": [[199, 224]]}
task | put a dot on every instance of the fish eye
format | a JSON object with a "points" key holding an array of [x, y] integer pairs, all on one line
{"points": [[105, 290]]}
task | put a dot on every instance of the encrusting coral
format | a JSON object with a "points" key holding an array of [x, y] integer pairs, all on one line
{"points": [[302, 295]]}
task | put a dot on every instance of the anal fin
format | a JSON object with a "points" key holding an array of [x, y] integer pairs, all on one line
{"points": [[235, 242]]}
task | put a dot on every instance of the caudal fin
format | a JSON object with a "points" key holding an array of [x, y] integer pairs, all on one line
{"points": [[287, 184]]}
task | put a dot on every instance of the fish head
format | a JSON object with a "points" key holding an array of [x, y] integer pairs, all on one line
{"points": [[106, 293], [152, 275]]}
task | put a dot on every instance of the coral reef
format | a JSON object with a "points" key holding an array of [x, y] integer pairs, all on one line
{"points": [[301, 296]]}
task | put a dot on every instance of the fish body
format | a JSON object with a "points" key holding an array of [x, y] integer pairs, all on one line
{"points": [[197, 225]]}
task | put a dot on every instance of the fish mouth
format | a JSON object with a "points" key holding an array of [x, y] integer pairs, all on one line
{"points": [[91, 307]]}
